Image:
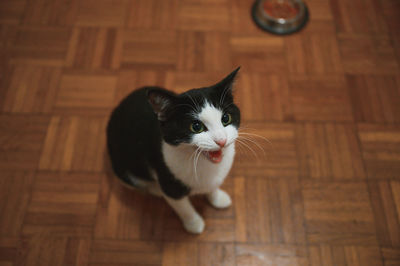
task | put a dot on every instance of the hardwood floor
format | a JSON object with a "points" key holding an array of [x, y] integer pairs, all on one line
{"points": [[326, 190]]}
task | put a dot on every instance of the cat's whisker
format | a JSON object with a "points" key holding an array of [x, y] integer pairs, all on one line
{"points": [[193, 153], [196, 105], [187, 105], [247, 146], [254, 142], [241, 148], [195, 165], [225, 107], [221, 101], [255, 135]]}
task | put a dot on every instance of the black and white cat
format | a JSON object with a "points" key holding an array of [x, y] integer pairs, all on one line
{"points": [[177, 145]]}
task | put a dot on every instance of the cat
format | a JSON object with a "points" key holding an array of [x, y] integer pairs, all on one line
{"points": [[176, 145]]}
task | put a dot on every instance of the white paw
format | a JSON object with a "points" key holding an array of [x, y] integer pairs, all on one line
{"points": [[194, 225], [219, 199]]}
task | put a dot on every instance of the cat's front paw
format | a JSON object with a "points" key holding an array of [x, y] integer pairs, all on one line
{"points": [[195, 225], [219, 199]]}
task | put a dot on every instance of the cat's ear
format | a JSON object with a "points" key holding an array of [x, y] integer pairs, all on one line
{"points": [[160, 101], [225, 86]]}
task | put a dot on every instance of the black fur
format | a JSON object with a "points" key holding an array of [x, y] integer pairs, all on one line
{"points": [[151, 114]]}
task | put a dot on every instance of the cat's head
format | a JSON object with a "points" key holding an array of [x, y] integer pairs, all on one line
{"points": [[205, 118]]}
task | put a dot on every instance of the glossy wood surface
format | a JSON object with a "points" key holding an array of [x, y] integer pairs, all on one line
{"points": [[323, 189]]}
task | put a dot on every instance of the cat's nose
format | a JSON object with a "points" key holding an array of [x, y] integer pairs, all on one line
{"points": [[221, 143]]}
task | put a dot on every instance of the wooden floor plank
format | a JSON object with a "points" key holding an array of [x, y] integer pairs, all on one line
{"points": [[50, 12], [381, 148], [104, 13], [269, 211], [338, 213], [21, 139], [46, 46], [257, 255], [329, 151], [345, 255], [320, 98], [16, 187], [32, 90]]}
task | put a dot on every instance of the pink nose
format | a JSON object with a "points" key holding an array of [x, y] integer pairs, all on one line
{"points": [[221, 143]]}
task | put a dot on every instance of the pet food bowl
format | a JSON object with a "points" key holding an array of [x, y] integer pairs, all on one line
{"points": [[280, 16]]}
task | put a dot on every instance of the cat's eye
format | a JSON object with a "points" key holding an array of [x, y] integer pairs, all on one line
{"points": [[197, 127], [226, 119]]}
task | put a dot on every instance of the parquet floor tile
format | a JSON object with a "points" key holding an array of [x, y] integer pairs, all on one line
{"points": [[367, 54], [345, 255], [152, 14], [8, 34], [275, 218], [221, 254], [95, 48], [204, 15], [240, 10], [257, 255], [62, 205], [21, 139], [55, 250], [8, 250], [390, 10], [316, 177], [321, 19], [78, 90], [11, 11], [146, 49], [371, 20], [391, 257], [50, 12], [73, 143], [44, 46], [103, 13], [117, 252], [313, 54], [200, 51], [32, 89], [329, 151], [380, 146], [259, 53], [122, 220], [375, 99], [338, 213], [385, 200], [320, 98], [264, 97], [15, 194]]}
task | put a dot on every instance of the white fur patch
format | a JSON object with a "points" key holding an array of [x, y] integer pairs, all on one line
{"points": [[211, 116], [195, 169]]}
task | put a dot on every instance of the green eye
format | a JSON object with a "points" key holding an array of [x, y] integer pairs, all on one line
{"points": [[197, 127], [226, 119]]}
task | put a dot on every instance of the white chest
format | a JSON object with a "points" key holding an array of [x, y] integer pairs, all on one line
{"points": [[197, 172]]}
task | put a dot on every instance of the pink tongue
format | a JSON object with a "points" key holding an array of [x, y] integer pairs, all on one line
{"points": [[215, 156]]}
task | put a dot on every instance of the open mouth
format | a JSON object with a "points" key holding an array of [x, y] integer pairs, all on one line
{"points": [[214, 156]]}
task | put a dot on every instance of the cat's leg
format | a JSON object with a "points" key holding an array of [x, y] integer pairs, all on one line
{"points": [[219, 199], [191, 220]]}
